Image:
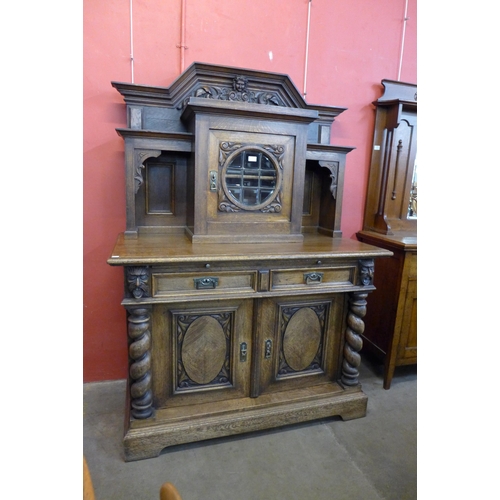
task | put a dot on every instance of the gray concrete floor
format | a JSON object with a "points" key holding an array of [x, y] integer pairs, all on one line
{"points": [[371, 458]]}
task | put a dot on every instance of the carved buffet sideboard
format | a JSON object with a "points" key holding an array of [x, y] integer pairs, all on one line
{"points": [[245, 305]]}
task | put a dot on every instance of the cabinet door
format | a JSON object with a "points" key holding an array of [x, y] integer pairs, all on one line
{"points": [[201, 352], [297, 342], [407, 349]]}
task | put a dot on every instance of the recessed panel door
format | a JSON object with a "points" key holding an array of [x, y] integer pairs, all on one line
{"points": [[202, 352], [297, 343], [406, 323]]}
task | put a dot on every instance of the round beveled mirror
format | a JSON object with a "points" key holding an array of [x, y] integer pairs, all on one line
{"points": [[251, 178]]}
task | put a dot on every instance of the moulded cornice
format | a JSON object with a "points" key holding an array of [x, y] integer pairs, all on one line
{"points": [[274, 89]]}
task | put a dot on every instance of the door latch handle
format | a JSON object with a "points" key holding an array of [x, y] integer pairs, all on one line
{"points": [[213, 180], [268, 348], [243, 351]]}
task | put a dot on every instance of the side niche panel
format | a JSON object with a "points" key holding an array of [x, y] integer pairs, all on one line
{"points": [[161, 186]]}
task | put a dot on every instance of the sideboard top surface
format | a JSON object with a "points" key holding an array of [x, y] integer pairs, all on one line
{"points": [[167, 248], [404, 240]]}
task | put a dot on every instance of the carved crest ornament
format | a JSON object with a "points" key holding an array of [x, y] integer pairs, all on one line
{"points": [[237, 92]]}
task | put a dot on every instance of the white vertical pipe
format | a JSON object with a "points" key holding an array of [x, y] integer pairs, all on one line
{"points": [[403, 40], [131, 43], [307, 46], [182, 45]]}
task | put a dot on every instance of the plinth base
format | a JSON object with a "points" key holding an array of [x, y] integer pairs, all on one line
{"points": [[170, 427]]}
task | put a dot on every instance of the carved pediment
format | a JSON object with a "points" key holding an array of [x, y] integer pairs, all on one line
{"points": [[239, 91], [223, 83]]}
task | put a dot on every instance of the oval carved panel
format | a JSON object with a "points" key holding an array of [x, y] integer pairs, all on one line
{"points": [[301, 339], [204, 349]]}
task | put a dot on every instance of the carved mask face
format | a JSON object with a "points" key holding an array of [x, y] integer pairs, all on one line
{"points": [[366, 275], [239, 84], [137, 278]]}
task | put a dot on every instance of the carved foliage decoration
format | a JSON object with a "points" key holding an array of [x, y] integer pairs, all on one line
{"points": [[301, 348], [333, 166], [141, 155], [227, 150], [203, 350], [239, 91]]}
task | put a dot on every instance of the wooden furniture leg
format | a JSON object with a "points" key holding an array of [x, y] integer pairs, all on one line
{"points": [[169, 492], [88, 488]]}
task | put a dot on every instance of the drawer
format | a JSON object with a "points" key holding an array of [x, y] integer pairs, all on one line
{"points": [[308, 278], [185, 284]]}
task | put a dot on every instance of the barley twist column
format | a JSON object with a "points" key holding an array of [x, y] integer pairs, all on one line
{"points": [[141, 398], [353, 341]]}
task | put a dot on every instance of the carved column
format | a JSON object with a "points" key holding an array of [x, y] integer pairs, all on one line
{"points": [[141, 397], [139, 322], [355, 325], [353, 340]]}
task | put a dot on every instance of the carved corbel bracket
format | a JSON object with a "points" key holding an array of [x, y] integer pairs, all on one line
{"points": [[138, 281], [366, 271], [141, 155], [333, 166]]}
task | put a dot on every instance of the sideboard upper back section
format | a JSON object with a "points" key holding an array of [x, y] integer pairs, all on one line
{"points": [[230, 155]]}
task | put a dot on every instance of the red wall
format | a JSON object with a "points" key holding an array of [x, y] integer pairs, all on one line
{"points": [[353, 45]]}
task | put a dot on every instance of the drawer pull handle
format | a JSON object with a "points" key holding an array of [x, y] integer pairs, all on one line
{"points": [[205, 283], [312, 278]]}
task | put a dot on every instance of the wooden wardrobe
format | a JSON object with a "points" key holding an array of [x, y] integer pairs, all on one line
{"points": [[390, 222]]}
